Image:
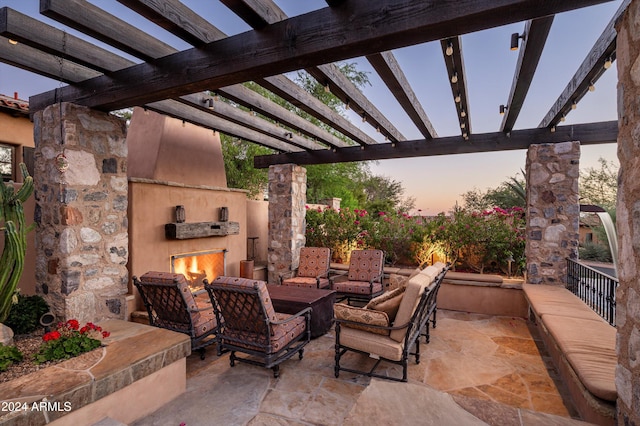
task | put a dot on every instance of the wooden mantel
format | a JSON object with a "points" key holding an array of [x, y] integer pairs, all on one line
{"points": [[185, 231]]}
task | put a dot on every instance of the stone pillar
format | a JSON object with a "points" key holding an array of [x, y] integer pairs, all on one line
{"points": [[628, 217], [287, 199], [553, 211], [82, 242]]}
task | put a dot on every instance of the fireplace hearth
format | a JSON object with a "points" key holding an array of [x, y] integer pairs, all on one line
{"points": [[197, 266]]}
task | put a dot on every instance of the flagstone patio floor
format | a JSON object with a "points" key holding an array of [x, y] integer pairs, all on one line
{"points": [[477, 369]]}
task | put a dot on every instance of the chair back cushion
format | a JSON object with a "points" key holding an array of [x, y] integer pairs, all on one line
{"points": [[366, 265], [314, 261], [170, 298], [241, 291], [388, 302], [363, 318], [409, 302]]}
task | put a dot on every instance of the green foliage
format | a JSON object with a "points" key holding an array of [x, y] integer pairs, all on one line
{"points": [[68, 341], [595, 252], [9, 355], [599, 186], [238, 163], [15, 239], [511, 193], [25, 314]]}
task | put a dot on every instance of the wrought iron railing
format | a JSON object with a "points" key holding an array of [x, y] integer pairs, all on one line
{"points": [[595, 288]]}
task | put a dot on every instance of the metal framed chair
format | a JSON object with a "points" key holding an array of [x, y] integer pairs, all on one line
{"points": [[313, 269], [363, 282], [171, 305], [253, 327]]}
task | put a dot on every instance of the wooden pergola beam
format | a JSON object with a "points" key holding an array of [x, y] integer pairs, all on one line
{"points": [[257, 13], [176, 18], [331, 76], [535, 37], [587, 134], [358, 27], [391, 74], [454, 62], [588, 72]]}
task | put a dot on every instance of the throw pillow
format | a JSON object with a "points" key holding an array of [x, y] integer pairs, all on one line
{"points": [[388, 302], [363, 317]]}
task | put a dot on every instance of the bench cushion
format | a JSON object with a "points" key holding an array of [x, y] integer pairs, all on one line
{"points": [[364, 341], [557, 300], [590, 348], [465, 276]]}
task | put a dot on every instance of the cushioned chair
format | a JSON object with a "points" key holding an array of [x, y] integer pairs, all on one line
{"points": [[363, 282], [374, 331], [171, 305], [313, 269], [253, 327]]}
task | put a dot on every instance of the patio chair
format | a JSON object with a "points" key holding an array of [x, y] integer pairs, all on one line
{"points": [[432, 307], [373, 333], [253, 327], [363, 282], [313, 269], [171, 305]]}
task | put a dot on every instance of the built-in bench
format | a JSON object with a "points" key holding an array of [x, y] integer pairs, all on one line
{"points": [[583, 348]]}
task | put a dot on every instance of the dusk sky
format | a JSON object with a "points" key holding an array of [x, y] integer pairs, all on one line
{"points": [[435, 182]]}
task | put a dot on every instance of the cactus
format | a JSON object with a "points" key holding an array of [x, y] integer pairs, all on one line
{"points": [[15, 239]]}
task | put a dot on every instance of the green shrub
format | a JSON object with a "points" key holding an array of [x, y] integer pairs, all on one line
{"points": [[24, 316], [9, 355], [595, 252]]}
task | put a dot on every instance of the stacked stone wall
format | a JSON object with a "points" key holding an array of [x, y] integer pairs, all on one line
{"points": [[553, 211], [82, 242], [628, 217], [287, 198]]}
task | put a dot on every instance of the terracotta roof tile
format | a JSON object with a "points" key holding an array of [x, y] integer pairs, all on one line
{"points": [[19, 105]]}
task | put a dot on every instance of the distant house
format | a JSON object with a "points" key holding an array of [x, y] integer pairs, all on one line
{"points": [[587, 222], [16, 137]]}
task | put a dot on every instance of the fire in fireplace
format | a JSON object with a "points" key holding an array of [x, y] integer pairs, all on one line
{"points": [[197, 266]]}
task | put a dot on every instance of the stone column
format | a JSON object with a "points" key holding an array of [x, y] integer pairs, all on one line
{"points": [[628, 217], [82, 241], [287, 199], [553, 211]]}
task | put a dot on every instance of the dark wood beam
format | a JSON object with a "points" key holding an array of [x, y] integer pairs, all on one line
{"points": [[257, 13], [587, 134], [287, 89], [535, 37], [101, 25], [390, 72], [331, 76], [33, 60], [264, 106], [454, 62], [588, 72], [44, 37], [359, 27], [198, 117], [178, 19]]}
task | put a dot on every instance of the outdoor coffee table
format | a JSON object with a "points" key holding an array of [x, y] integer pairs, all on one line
{"points": [[290, 300]]}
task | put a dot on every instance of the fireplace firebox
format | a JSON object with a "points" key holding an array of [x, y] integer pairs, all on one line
{"points": [[196, 266]]}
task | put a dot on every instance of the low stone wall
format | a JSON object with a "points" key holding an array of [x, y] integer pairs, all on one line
{"points": [[124, 380]]}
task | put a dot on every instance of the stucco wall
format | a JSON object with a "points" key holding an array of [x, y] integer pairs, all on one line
{"points": [[258, 226]]}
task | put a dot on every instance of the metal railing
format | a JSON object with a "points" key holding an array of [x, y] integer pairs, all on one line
{"points": [[595, 288]]}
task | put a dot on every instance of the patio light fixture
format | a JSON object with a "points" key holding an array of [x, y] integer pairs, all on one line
{"points": [[458, 98], [515, 40], [210, 103], [454, 77], [574, 104], [449, 50], [12, 41], [503, 108], [463, 113], [346, 105], [327, 89], [607, 63], [592, 87]]}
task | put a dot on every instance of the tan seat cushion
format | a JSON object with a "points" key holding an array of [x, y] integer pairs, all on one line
{"points": [[363, 317], [465, 276], [590, 348], [371, 343], [557, 300], [410, 300], [388, 302]]}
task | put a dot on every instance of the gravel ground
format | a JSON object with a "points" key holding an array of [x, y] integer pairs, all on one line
{"points": [[28, 344]]}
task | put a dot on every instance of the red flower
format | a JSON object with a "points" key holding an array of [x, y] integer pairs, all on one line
{"points": [[73, 324], [52, 335], [105, 334]]}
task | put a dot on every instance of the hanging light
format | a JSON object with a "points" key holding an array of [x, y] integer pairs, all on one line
{"points": [[210, 103], [553, 129], [592, 87], [574, 105], [463, 113], [327, 89], [449, 50], [378, 129], [12, 41], [562, 118], [458, 98], [463, 125], [346, 105], [515, 40], [364, 117], [454, 77], [607, 63]]}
